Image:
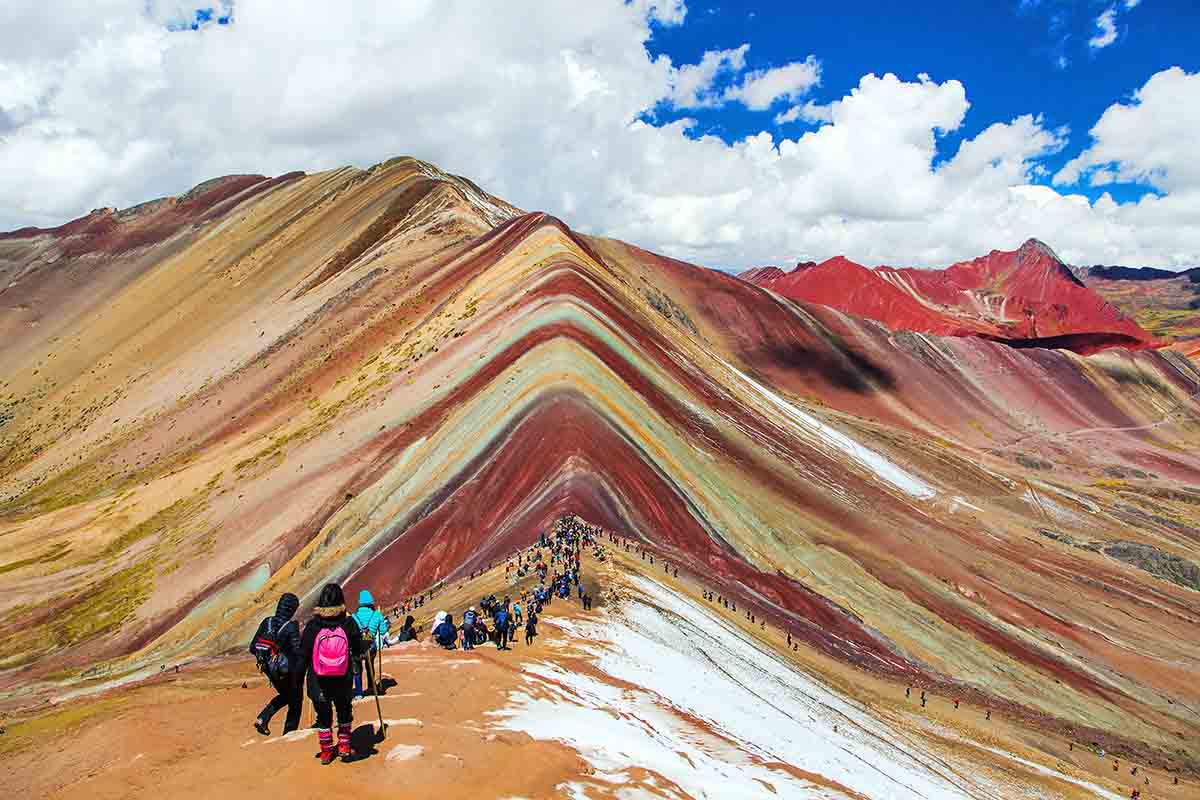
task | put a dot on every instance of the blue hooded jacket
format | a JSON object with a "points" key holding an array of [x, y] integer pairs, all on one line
{"points": [[370, 620]]}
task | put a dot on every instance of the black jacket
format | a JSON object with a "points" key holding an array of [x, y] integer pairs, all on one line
{"points": [[407, 633], [287, 630], [317, 623]]}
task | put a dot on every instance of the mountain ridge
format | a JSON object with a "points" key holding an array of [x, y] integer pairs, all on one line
{"points": [[1025, 297]]}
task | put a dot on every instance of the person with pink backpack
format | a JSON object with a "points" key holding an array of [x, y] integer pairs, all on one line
{"points": [[331, 643]]}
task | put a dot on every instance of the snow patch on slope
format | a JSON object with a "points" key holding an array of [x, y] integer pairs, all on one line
{"points": [[865, 457], [702, 708]]}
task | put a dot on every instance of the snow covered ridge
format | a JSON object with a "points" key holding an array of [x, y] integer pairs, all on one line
{"points": [[698, 710], [867, 458]]}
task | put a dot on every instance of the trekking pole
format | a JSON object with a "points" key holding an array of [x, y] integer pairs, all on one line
{"points": [[378, 707]]}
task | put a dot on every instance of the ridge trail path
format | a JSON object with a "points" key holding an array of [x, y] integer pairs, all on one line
{"points": [[1167, 417]]}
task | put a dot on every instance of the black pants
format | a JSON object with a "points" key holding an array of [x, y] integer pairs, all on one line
{"points": [[287, 694], [502, 638], [335, 693], [529, 634]]}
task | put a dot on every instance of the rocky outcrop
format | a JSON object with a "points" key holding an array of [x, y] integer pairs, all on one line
{"points": [[1150, 559]]}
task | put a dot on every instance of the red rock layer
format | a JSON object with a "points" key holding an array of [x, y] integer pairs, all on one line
{"points": [[1024, 297]]}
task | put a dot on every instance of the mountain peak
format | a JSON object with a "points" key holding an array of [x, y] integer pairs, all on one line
{"points": [[1035, 253]]}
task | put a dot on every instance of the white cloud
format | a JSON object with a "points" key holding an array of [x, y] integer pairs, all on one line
{"points": [[105, 106], [809, 112], [665, 12], [1107, 25], [1151, 139], [693, 83], [1132, 3], [760, 89]]}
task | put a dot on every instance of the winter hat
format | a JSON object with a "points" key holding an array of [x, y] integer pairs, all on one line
{"points": [[365, 599], [440, 618], [286, 608]]}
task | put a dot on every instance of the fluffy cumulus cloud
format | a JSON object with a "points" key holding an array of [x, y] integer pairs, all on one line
{"points": [[548, 104], [1151, 139]]}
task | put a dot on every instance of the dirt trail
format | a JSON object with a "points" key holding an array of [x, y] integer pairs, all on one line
{"points": [[190, 734]]}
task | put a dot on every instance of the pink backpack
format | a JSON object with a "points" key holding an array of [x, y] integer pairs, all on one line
{"points": [[331, 653]]}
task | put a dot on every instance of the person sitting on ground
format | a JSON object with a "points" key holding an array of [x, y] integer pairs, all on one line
{"points": [[331, 642], [374, 627], [407, 632], [276, 647], [445, 633]]}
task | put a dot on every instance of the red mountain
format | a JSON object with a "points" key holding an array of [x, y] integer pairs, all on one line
{"points": [[1025, 297]]}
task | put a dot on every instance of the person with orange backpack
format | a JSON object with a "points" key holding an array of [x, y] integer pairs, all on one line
{"points": [[332, 642]]}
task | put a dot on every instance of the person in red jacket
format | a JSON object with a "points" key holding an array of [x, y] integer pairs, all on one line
{"points": [[331, 642]]}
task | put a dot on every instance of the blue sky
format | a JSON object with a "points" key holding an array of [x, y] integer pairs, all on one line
{"points": [[1014, 57]]}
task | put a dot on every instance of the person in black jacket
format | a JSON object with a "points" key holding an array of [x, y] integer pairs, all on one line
{"points": [[329, 691], [284, 633], [408, 633]]}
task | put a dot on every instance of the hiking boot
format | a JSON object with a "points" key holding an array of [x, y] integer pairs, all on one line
{"points": [[260, 725], [343, 747], [325, 737]]}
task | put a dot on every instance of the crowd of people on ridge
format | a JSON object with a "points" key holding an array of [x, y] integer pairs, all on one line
{"points": [[335, 650]]}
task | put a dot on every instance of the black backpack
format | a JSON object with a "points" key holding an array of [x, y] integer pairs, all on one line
{"points": [[272, 661]]}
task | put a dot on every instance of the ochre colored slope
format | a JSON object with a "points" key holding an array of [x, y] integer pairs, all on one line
{"points": [[1024, 297], [390, 378], [1164, 303]]}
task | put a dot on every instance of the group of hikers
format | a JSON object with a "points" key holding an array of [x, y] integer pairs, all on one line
{"points": [[561, 552], [335, 651], [328, 659]]}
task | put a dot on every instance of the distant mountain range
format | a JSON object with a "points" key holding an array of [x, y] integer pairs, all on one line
{"points": [[1024, 297]]}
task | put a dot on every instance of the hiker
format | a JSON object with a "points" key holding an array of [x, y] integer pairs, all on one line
{"points": [[445, 633], [502, 628], [276, 648], [374, 627], [516, 610], [331, 642], [468, 629], [407, 632], [530, 628]]}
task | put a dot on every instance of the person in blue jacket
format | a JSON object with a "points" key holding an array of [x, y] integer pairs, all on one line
{"points": [[374, 626], [503, 621], [445, 633]]}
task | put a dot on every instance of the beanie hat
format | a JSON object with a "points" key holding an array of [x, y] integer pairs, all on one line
{"points": [[286, 608]]}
